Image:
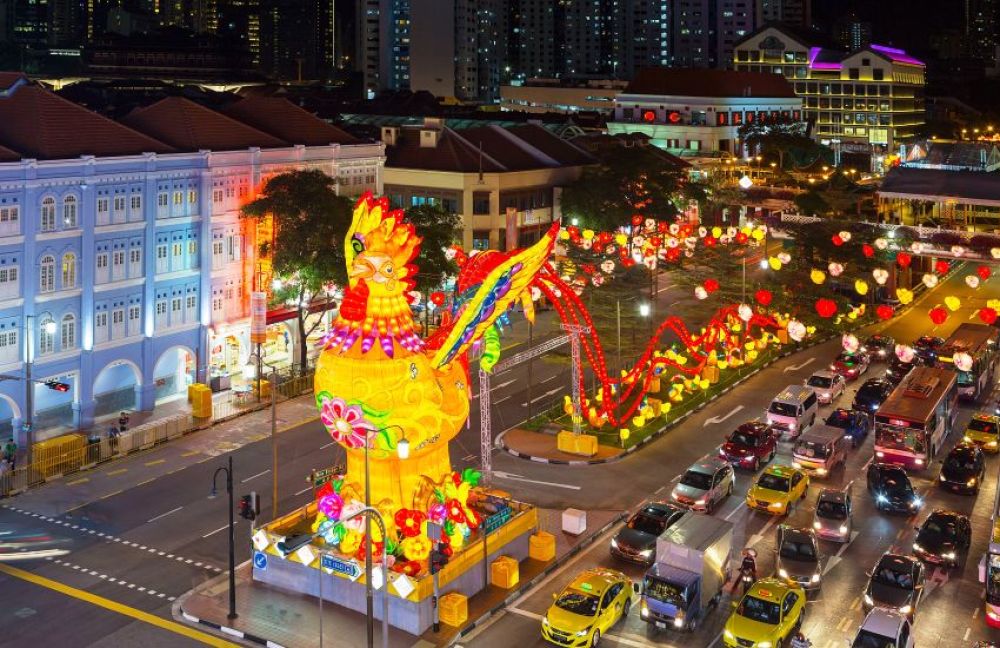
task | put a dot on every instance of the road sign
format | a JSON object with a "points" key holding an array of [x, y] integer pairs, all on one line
{"points": [[324, 475], [260, 560], [348, 568]]}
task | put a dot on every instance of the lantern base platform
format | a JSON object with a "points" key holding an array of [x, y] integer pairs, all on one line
{"points": [[467, 572]]}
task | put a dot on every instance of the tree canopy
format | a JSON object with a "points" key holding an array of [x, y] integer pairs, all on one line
{"points": [[439, 230], [785, 140]]}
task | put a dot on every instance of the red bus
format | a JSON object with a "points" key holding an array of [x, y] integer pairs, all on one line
{"points": [[912, 424]]}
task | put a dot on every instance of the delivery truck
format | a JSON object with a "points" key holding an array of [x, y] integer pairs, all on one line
{"points": [[691, 568]]}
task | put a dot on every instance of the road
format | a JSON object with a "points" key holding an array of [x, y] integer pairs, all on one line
{"points": [[144, 546]]}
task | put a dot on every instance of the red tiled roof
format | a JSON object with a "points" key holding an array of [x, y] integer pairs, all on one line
{"points": [[279, 117], [502, 148], [188, 126], [552, 145], [452, 153], [39, 124], [685, 82], [7, 155]]}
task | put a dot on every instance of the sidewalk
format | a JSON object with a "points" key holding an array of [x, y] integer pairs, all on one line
{"points": [[275, 617]]}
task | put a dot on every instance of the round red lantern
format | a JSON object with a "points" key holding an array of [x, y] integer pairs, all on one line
{"points": [[636, 220], [941, 267], [984, 272], [987, 315], [938, 315], [885, 311], [711, 285], [649, 116], [837, 240], [437, 298], [868, 250], [763, 297], [826, 307], [903, 259]]}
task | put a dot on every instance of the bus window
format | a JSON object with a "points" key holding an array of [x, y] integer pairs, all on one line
{"points": [[993, 579]]}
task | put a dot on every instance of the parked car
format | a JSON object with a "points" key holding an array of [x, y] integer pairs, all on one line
{"points": [[878, 347], [834, 516], [890, 486], [798, 560], [827, 385], [636, 541], [854, 424], [872, 394], [896, 583], [884, 629], [850, 365], [943, 537], [750, 445], [704, 485], [926, 347], [963, 470]]}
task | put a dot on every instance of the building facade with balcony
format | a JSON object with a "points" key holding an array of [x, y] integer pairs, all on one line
{"points": [[125, 270], [867, 101], [695, 113]]}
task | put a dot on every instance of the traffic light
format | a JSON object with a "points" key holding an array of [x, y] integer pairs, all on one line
{"points": [[439, 557], [57, 386], [250, 506]]}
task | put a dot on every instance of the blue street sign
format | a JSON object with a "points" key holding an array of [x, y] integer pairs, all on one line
{"points": [[348, 568], [260, 560]]}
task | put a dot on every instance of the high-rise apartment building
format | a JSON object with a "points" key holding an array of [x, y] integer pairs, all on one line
{"points": [[852, 33], [296, 39], [704, 31], [793, 13], [981, 29]]}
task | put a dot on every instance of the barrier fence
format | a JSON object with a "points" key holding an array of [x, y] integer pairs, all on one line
{"points": [[77, 452]]}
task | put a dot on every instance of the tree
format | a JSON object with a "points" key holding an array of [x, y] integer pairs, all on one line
{"points": [[310, 222], [781, 139], [627, 181], [439, 230]]}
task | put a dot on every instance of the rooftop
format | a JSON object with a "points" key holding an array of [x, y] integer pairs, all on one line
{"points": [[283, 119], [684, 82], [974, 187], [188, 126]]}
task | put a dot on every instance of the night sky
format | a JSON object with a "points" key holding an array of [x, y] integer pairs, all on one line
{"points": [[905, 23]]}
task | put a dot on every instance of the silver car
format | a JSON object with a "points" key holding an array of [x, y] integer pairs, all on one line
{"points": [[704, 485], [834, 519], [798, 557], [828, 385]]}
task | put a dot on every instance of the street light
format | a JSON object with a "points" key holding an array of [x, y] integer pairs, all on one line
{"points": [[232, 533]]}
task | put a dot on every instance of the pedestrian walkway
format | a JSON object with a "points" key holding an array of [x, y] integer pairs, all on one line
{"points": [[275, 617]]}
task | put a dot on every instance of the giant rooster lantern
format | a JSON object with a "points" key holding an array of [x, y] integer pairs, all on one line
{"points": [[379, 384]]}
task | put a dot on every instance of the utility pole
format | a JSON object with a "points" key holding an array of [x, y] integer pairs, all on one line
{"points": [[274, 443]]}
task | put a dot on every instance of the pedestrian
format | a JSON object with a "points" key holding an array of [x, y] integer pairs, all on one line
{"points": [[10, 453], [113, 435], [800, 641], [123, 422]]}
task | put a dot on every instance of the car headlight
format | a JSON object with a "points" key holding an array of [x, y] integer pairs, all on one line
{"points": [[825, 395], [545, 621], [918, 502], [966, 438], [817, 525], [678, 622], [646, 553], [864, 349], [906, 609], [776, 505], [728, 634], [879, 454], [919, 462], [644, 610], [949, 555], [881, 498], [868, 600], [796, 464], [942, 478], [843, 528], [764, 644], [821, 471], [582, 633], [815, 578], [791, 426], [917, 547], [992, 444], [614, 543], [783, 573], [971, 482]]}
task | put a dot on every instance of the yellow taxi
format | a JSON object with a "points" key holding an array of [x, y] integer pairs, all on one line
{"points": [[777, 488], [767, 616], [984, 430], [588, 607]]}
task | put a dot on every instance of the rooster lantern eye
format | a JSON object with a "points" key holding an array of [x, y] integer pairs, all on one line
{"points": [[387, 269], [357, 245]]}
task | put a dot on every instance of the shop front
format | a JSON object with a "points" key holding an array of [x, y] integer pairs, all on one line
{"points": [[229, 353], [281, 348]]}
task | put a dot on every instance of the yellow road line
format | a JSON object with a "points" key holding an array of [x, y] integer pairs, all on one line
{"points": [[158, 461], [190, 454], [82, 480], [116, 472], [114, 606]]}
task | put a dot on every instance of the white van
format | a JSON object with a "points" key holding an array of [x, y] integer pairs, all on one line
{"points": [[793, 410], [820, 450]]}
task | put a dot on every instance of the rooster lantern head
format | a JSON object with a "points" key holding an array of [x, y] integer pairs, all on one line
{"points": [[379, 249]]}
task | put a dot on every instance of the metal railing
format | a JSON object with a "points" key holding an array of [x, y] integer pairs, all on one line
{"points": [[81, 452]]}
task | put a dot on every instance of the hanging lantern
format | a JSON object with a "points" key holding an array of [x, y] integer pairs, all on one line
{"points": [[881, 243], [930, 280], [884, 312], [957, 250], [984, 272], [995, 253], [868, 251], [608, 266], [938, 315], [953, 303], [711, 285], [702, 232], [903, 259], [651, 224], [745, 312], [963, 361], [587, 234], [861, 286], [636, 220], [850, 342], [916, 247], [845, 236], [784, 257], [987, 315], [796, 330], [763, 297], [881, 276], [904, 296], [775, 263], [700, 293], [817, 276], [972, 281], [838, 240], [905, 353], [835, 269], [826, 307], [941, 267]]}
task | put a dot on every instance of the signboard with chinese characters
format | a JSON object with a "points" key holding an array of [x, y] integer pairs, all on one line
{"points": [[258, 317], [510, 229]]}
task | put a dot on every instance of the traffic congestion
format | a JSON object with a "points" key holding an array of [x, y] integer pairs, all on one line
{"points": [[849, 457]]}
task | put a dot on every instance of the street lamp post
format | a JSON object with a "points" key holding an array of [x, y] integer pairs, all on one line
{"points": [[232, 533]]}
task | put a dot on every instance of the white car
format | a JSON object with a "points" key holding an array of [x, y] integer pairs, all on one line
{"points": [[828, 385], [704, 485], [884, 629]]}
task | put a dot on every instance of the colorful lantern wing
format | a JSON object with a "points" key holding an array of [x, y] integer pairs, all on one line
{"points": [[481, 305]]}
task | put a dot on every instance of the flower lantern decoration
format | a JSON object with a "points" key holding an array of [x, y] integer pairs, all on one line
{"points": [[885, 312], [984, 272], [941, 267], [745, 312], [938, 315], [835, 269], [868, 251], [905, 353], [930, 280], [953, 303], [346, 423], [987, 315], [826, 308], [903, 259], [850, 342], [972, 281], [796, 330], [763, 297], [963, 361], [881, 275]]}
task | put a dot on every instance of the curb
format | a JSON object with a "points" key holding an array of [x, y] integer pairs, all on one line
{"points": [[232, 632], [558, 562], [656, 435]]}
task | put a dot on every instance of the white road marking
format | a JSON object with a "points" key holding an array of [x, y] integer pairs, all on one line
{"points": [[506, 475], [323, 447], [736, 510], [307, 488], [504, 384], [525, 613], [757, 537], [500, 400], [210, 533], [968, 630], [675, 479], [548, 379], [720, 419], [543, 396], [797, 367], [260, 474], [162, 515]]}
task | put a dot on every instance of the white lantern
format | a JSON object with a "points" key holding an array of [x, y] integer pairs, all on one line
{"points": [[702, 231], [881, 276], [796, 330], [835, 269], [905, 353], [700, 293], [972, 281], [608, 266], [784, 257], [745, 312], [850, 342], [957, 250], [995, 253], [881, 243], [845, 236], [930, 279], [917, 247], [963, 361]]}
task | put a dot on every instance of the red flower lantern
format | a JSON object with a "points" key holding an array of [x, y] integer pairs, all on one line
{"points": [[636, 220], [741, 238], [868, 250], [437, 298], [938, 315], [885, 312], [376, 550], [903, 259], [409, 521], [763, 297], [409, 567], [837, 240], [987, 315], [455, 512], [984, 272], [711, 285], [826, 307], [941, 267], [710, 241]]}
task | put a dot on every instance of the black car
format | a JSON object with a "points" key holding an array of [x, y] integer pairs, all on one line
{"points": [[896, 583], [943, 537], [854, 424], [872, 394], [879, 347], [963, 469], [926, 347], [636, 541], [898, 369], [891, 488]]}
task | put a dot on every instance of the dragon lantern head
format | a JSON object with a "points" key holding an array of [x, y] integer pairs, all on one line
{"points": [[380, 247]]}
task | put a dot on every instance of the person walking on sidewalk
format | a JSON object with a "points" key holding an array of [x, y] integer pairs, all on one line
{"points": [[10, 453], [113, 435], [123, 422]]}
